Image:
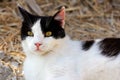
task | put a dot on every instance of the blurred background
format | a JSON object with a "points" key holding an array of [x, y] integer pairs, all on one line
{"points": [[85, 20]]}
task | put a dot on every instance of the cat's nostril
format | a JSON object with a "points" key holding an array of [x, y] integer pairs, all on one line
{"points": [[37, 44]]}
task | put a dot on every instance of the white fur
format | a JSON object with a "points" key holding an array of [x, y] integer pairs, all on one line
{"points": [[63, 59]]}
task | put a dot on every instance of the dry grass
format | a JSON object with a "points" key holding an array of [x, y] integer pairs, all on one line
{"points": [[85, 20]]}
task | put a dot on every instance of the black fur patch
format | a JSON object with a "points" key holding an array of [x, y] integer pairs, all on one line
{"points": [[110, 46], [47, 24], [87, 44], [28, 21], [26, 26]]}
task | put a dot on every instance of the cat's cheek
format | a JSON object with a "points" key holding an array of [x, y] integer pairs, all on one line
{"points": [[29, 44], [24, 46], [45, 48], [42, 47], [32, 48]]}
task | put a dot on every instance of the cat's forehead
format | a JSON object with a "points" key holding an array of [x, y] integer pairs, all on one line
{"points": [[45, 21], [42, 23], [36, 26]]}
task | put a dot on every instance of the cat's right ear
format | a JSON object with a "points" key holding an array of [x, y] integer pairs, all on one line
{"points": [[25, 15]]}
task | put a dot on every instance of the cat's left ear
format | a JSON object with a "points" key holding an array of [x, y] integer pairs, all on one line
{"points": [[60, 16]]}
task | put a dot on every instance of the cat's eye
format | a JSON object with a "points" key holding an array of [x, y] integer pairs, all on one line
{"points": [[49, 33], [30, 33]]}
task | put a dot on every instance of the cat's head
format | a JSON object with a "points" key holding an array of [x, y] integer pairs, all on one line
{"points": [[42, 34]]}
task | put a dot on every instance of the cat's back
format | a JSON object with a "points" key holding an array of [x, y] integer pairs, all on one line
{"points": [[100, 59]]}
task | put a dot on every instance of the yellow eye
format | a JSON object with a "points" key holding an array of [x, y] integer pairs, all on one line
{"points": [[30, 33], [49, 33]]}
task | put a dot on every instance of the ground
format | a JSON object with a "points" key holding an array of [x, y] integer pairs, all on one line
{"points": [[85, 20]]}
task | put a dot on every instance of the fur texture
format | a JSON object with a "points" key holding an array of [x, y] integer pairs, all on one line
{"points": [[61, 58]]}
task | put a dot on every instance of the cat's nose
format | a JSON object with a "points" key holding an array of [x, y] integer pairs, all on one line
{"points": [[37, 44]]}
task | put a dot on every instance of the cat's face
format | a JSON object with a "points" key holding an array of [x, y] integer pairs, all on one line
{"points": [[42, 34]]}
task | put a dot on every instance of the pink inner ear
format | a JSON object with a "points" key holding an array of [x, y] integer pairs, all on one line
{"points": [[60, 16]]}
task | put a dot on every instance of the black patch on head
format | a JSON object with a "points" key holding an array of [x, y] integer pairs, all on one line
{"points": [[87, 44], [27, 23], [49, 24], [26, 26], [110, 46]]}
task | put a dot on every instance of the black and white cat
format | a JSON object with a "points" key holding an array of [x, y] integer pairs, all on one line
{"points": [[52, 55]]}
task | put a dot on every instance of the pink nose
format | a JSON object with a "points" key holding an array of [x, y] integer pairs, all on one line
{"points": [[37, 44]]}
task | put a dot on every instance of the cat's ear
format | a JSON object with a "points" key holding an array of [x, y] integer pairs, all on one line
{"points": [[60, 16], [26, 15]]}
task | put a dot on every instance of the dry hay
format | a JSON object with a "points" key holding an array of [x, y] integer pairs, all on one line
{"points": [[85, 20]]}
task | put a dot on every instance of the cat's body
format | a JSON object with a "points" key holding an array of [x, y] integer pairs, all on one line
{"points": [[57, 57], [70, 62]]}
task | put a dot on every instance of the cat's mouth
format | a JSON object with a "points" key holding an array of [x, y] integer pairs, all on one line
{"points": [[43, 51], [38, 49], [41, 48]]}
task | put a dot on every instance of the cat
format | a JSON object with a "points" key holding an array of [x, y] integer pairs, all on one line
{"points": [[52, 55]]}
